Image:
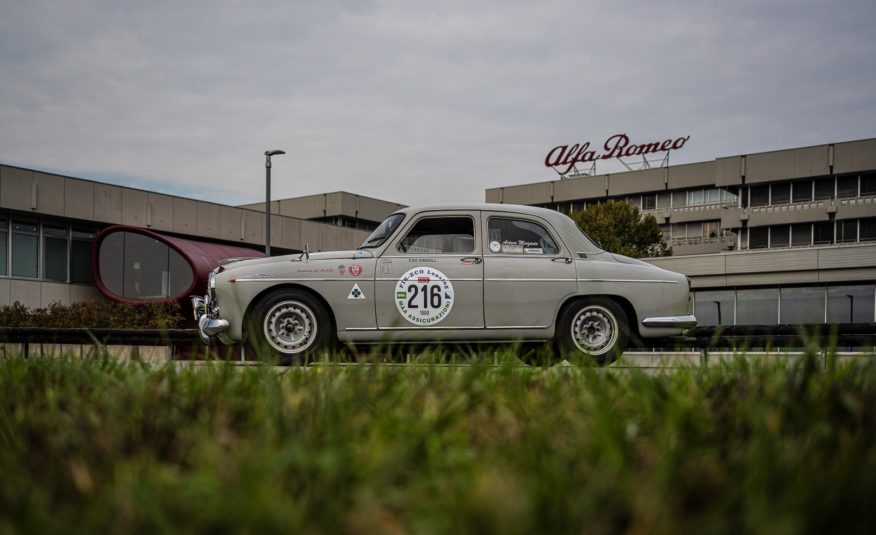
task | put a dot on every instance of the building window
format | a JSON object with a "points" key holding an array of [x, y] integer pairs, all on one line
{"points": [[802, 305], [25, 249], [780, 235], [649, 201], [801, 191], [850, 304], [663, 200], [713, 196], [715, 307], [781, 193], [729, 196], [868, 184], [847, 231], [757, 307], [695, 197], [847, 187], [679, 199], [711, 229], [760, 195], [801, 234], [80, 256], [758, 238], [823, 189], [868, 229], [822, 233], [4, 238], [55, 253]]}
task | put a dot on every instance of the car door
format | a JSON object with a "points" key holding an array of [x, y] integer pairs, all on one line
{"points": [[527, 271], [431, 275]]}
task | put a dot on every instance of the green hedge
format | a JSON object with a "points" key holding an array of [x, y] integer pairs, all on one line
{"points": [[96, 313]]}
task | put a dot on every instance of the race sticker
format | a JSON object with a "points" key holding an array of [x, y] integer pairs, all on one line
{"points": [[495, 246], [356, 293], [424, 296], [513, 248], [533, 250]]}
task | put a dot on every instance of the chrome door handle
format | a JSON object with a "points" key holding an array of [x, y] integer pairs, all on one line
{"points": [[471, 260], [566, 260]]}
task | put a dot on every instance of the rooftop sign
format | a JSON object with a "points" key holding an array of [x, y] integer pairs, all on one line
{"points": [[564, 157]]}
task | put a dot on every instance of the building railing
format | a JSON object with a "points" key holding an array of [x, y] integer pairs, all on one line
{"points": [[726, 239], [777, 208]]}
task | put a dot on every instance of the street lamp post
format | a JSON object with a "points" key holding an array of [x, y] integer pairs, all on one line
{"points": [[268, 154]]}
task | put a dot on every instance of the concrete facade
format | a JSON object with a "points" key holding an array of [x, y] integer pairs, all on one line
{"points": [[796, 225], [338, 208], [81, 207]]}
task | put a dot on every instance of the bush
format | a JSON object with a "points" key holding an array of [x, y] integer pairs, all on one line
{"points": [[94, 314]]}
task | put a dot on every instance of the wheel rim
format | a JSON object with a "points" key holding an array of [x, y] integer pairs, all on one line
{"points": [[594, 330], [290, 327]]}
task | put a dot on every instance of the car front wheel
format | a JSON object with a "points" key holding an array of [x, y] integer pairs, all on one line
{"points": [[291, 326], [593, 331]]}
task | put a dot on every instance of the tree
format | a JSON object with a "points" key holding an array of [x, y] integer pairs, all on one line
{"points": [[620, 228]]}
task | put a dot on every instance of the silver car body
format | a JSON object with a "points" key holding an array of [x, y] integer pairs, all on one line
{"points": [[497, 295]]}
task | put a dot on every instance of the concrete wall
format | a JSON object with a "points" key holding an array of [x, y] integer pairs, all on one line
{"points": [[339, 203], [28, 191]]}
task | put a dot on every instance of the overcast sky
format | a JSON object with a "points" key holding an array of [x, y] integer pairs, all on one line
{"points": [[415, 102]]}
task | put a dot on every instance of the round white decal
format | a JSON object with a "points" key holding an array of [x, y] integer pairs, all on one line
{"points": [[495, 246], [424, 296]]}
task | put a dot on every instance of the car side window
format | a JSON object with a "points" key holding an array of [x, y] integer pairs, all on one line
{"points": [[516, 236], [436, 235]]}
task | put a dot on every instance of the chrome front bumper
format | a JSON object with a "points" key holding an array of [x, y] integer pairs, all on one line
{"points": [[209, 326], [677, 322]]}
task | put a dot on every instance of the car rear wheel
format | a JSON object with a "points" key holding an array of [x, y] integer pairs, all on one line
{"points": [[593, 331], [290, 326]]}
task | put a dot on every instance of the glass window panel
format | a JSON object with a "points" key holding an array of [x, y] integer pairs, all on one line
{"points": [[802, 191], [3, 260], [781, 193], [695, 197], [55, 253], [850, 304], [513, 236], [728, 196], [847, 187], [822, 232], [757, 307], [25, 249], [847, 231], [760, 195], [801, 234], [679, 230], [868, 184], [440, 235], [713, 196], [802, 305], [823, 189], [663, 200], [679, 199], [635, 200], [758, 237], [649, 201], [110, 260], [145, 269], [780, 235], [711, 229], [868, 229], [80, 261], [695, 229], [181, 276], [714, 308]]}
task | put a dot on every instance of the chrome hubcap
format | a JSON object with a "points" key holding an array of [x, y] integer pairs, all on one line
{"points": [[594, 330], [290, 327]]}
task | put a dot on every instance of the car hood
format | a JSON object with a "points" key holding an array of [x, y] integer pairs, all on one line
{"points": [[298, 257]]}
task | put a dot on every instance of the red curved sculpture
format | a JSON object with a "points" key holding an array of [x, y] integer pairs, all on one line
{"points": [[122, 252]]}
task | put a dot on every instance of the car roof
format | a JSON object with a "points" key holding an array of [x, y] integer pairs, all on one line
{"points": [[489, 207]]}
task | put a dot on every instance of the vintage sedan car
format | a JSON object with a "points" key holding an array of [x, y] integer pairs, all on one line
{"points": [[462, 273]]}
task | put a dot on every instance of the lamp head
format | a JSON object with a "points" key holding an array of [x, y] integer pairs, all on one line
{"points": [[270, 153]]}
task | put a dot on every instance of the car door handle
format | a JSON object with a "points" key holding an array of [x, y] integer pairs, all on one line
{"points": [[566, 260], [471, 260]]}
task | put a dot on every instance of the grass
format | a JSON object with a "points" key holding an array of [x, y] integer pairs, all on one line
{"points": [[97, 445]]}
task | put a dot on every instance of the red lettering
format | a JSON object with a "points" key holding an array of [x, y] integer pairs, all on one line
{"points": [[665, 145], [680, 142], [549, 162], [620, 142]]}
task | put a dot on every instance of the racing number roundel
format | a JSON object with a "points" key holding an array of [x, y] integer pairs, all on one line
{"points": [[424, 296]]}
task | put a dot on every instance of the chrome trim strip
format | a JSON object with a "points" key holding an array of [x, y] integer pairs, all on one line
{"points": [[451, 279], [296, 279], [529, 280], [498, 328], [628, 280], [681, 322]]}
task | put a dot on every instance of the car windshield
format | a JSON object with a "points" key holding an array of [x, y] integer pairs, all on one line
{"points": [[383, 232]]}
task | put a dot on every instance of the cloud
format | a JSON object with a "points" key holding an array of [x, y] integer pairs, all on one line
{"points": [[416, 102]]}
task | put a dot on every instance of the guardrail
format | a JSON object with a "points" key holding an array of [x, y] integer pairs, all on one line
{"points": [[708, 337]]}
